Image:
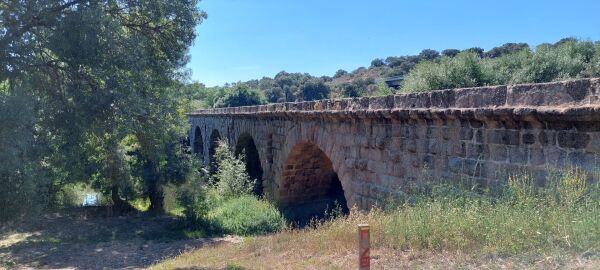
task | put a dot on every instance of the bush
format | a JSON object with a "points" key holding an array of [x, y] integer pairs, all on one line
{"points": [[247, 215], [567, 59], [463, 70], [240, 96], [192, 197], [231, 177]]}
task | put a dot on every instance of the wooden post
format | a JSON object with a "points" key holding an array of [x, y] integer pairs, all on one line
{"points": [[364, 258]]}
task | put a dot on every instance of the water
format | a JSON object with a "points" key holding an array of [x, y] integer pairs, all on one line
{"points": [[91, 199]]}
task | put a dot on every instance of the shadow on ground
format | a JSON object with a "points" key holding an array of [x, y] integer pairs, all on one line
{"points": [[82, 242]]}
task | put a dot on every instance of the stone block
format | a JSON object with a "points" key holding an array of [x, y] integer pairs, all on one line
{"points": [[548, 94], [537, 156], [504, 136], [455, 164], [481, 97], [518, 155], [498, 152], [547, 138], [555, 156], [414, 100], [576, 140], [477, 151], [442, 98], [466, 134], [583, 160], [528, 138]]}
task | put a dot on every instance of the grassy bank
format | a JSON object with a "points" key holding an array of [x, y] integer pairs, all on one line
{"points": [[524, 226]]}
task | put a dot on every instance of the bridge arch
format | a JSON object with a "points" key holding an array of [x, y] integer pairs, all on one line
{"points": [[198, 144], [309, 184], [245, 145]]}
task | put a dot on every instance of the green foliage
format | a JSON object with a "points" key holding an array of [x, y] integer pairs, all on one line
{"points": [[239, 96], [247, 215], [507, 68], [192, 196], [340, 73], [463, 70], [100, 72], [377, 62], [231, 177], [506, 48], [450, 52], [508, 64], [562, 61], [383, 90], [23, 181], [314, 89]]}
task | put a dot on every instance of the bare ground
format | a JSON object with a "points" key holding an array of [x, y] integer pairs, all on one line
{"points": [[77, 241]]}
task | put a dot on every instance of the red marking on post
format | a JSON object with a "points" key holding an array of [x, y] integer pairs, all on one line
{"points": [[365, 259], [364, 232], [364, 248]]}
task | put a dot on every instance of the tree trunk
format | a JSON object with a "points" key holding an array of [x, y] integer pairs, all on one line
{"points": [[119, 205], [155, 193]]}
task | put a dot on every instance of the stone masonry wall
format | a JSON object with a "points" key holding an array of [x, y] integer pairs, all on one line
{"points": [[379, 145]]}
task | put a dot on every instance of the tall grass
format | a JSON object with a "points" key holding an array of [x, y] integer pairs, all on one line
{"points": [[522, 220], [564, 214]]}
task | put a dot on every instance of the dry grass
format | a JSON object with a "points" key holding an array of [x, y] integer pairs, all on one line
{"points": [[332, 245], [557, 226]]}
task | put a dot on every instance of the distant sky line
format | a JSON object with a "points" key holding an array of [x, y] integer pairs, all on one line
{"points": [[250, 39]]}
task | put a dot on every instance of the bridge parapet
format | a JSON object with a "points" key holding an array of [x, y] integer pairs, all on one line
{"points": [[566, 100]]}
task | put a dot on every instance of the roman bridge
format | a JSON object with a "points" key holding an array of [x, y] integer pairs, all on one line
{"points": [[367, 149]]}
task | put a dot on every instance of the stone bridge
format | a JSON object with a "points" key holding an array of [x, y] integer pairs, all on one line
{"points": [[364, 150]]}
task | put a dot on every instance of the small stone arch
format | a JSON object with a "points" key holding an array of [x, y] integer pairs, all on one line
{"points": [[215, 137], [245, 145], [198, 144], [309, 185]]}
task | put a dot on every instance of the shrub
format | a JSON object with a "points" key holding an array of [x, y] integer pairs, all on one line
{"points": [[240, 96], [566, 59], [506, 69], [231, 177], [463, 70], [246, 215], [192, 197]]}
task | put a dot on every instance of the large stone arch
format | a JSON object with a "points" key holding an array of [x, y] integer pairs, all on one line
{"points": [[311, 181], [198, 143], [246, 145]]}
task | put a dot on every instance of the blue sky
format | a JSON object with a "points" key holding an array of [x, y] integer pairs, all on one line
{"points": [[249, 39]]}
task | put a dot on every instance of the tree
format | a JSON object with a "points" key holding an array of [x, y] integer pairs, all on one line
{"points": [[340, 73], [377, 62], [240, 96], [99, 69], [314, 89], [506, 48], [476, 50], [429, 54], [450, 52]]}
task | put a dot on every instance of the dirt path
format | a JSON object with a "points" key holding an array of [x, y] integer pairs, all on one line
{"points": [[77, 242]]}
